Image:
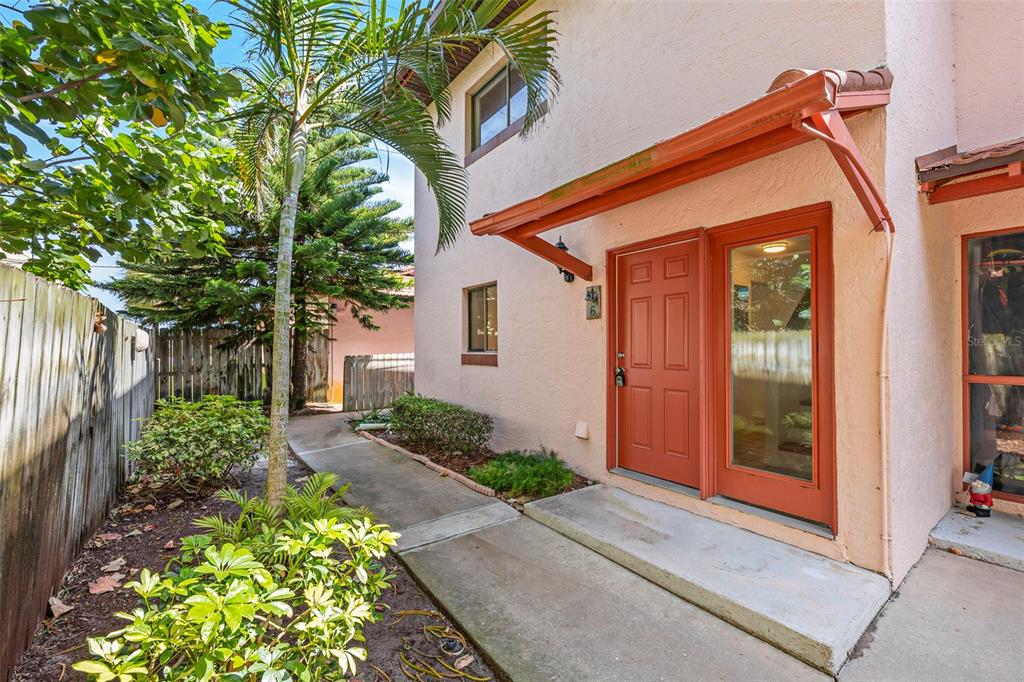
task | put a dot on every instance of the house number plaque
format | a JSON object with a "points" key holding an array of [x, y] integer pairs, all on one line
{"points": [[593, 302]]}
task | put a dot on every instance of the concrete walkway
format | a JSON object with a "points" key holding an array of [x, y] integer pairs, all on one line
{"points": [[539, 605], [954, 618]]}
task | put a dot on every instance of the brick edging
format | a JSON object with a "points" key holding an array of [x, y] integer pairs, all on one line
{"points": [[426, 461]]}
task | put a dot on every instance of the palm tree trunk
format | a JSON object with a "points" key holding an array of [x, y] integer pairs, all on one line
{"points": [[277, 464], [300, 362]]}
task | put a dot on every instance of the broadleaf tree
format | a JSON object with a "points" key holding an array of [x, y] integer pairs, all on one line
{"points": [[102, 109], [347, 66]]}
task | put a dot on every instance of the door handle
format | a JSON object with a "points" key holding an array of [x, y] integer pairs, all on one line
{"points": [[620, 376]]}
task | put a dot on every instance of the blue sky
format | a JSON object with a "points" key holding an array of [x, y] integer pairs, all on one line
{"points": [[232, 52]]}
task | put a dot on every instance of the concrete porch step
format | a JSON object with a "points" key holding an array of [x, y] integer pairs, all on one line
{"points": [[998, 539], [812, 607]]}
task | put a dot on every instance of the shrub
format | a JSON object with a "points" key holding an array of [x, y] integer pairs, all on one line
{"points": [[537, 474], [435, 423], [193, 444], [287, 603]]}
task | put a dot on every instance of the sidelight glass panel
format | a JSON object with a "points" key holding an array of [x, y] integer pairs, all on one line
{"points": [[997, 434], [995, 305], [771, 356]]}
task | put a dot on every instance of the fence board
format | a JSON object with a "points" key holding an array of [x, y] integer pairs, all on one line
{"points": [[190, 365], [374, 381], [69, 399]]}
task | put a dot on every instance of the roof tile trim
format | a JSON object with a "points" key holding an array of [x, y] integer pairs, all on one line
{"points": [[879, 78]]}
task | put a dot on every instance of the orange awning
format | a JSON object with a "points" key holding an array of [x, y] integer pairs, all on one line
{"points": [[799, 107], [950, 175]]}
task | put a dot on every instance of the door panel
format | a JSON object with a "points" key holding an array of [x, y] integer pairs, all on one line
{"points": [[659, 421], [771, 317]]}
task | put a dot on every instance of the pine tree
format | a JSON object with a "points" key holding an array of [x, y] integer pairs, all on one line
{"points": [[347, 247]]}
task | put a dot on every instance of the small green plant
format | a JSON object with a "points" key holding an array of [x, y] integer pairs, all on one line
{"points": [[194, 444], [374, 416], [435, 423], [287, 602], [799, 426], [537, 474]]}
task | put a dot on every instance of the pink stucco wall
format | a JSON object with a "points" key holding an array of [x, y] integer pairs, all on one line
{"points": [[350, 338], [630, 81]]}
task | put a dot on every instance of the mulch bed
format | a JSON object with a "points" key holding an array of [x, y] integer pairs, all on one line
{"points": [[144, 531], [460, 464]]}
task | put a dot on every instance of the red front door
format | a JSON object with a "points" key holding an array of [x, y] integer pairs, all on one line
{"points": [[657, 361]]}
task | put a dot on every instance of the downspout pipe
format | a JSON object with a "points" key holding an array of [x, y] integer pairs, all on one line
{"points": [[884, 365]]}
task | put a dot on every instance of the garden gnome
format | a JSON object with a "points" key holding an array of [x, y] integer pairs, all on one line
{"points": [[981, 493]]}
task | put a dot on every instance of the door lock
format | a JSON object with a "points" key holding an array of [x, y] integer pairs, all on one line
{"points": [[620, 376]]}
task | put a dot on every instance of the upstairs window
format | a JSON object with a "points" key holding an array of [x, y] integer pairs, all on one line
{"points": [[483, 319], [499, 104]]}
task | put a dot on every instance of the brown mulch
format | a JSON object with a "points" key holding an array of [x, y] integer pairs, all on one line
{"points": [[460, 464], [148, 521]]}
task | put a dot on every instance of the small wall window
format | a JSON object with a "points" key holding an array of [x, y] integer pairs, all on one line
{"points": [[500, 103], [482, 303]]}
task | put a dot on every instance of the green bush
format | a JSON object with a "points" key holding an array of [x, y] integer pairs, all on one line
{"points": [[537, 474], [288, 602], [194, 444], [435, 423]]}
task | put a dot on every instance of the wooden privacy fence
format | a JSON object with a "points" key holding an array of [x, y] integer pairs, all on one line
{"points": [[374, 381], [72, 392], [190, 365]]}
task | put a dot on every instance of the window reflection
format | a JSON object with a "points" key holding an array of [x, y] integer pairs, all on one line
{"points": [[770, 356]]}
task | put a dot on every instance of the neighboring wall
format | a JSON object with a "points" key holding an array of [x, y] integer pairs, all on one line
{"points": [[989, 78], [924, 397], [69, 398], [348, 337], [636, 73], [965, 55]]}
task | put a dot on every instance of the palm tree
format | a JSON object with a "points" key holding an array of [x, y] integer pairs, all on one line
{"points": [[347, 66]]}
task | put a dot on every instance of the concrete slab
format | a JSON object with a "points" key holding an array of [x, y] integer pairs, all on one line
{"points": [[952, 619], [998, 539], [315, 432], [400, 491], [454, 525], [546, 608], [810, 606]]}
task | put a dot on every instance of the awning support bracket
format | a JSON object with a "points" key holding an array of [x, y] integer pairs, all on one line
{"points": [[829, 127], [550, 253]]}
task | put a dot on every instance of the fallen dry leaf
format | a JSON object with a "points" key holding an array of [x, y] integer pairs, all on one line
{"points": [[108, 537], [464, 662], [169, 545], [148, 527], [106, 583], [58, 608], [133, 533], [114, 566], [149, 507], [175, 503]]}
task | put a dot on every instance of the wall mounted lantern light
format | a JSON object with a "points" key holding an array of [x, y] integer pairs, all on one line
{"points": [[566, 275]]}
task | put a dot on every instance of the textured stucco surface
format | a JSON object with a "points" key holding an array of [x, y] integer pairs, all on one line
{"points": [[990, 82], [923, 401], [551, 369], [395, 335], [636, 73]]}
